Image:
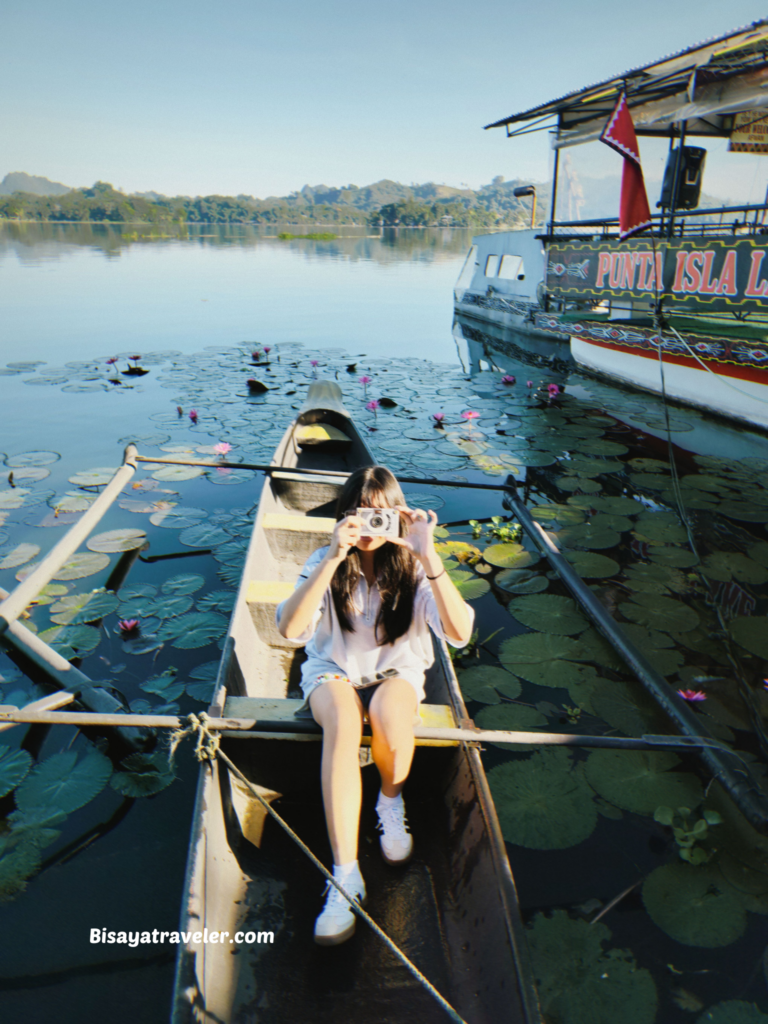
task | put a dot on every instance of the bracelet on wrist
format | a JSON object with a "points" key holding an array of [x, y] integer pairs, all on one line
{"points": [[441, 573]]}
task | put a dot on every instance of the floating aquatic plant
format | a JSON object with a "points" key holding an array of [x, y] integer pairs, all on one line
{"points": [[642, 780], [542, 802], [581, 983]]}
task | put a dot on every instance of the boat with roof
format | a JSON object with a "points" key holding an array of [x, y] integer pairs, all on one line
{"points": [[680, 309]]}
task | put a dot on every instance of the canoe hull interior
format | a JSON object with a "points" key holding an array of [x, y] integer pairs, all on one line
{"points": [[453, 909]]}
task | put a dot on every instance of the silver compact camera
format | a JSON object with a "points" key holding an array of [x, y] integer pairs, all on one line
{"points": [[380, 522]]}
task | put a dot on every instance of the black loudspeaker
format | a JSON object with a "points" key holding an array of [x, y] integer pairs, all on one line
{"points": [[690, 175]]}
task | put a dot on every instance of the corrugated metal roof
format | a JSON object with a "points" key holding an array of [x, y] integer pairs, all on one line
{"points": [[740, 51]]}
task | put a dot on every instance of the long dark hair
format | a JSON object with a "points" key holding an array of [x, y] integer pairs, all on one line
{"points": [[395, 567]]}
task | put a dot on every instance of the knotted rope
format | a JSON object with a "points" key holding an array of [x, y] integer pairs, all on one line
{"points": [[207, 743], [208, 748]]}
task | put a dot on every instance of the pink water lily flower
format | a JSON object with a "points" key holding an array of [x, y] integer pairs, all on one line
{"points": [[112, 361], [314, 362], [127, 626], [193, 415], [552, 390], [134, 359], [692, 695], [438, 417], [470, 414], [372, 406], [508, 379], [364, 380], [529, 383], [267, 349], [222, 448]]}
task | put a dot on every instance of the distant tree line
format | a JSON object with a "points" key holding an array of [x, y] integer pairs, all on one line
{"points": [[408, 206]]}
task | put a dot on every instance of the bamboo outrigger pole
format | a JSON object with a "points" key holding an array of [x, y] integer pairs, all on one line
{"points": [[250, 727], [13, 605]]}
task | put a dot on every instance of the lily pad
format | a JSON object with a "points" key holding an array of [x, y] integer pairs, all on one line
{"points": [[722, 565], [225, 477], [170, 605], [146, 775], [79, 566], [63, 783], [680, 558], [484, 683], [590, 565], [548, 613], [458, 549], [509, 556], [733, 1011], [93, 477], [619, 506], [751, 633], [578, 483], [542, 658], [197, 629], [203, 536], [14, 766], [218, 601], [21, 554], [521, 581], [627, 708], [176, 518], [201, 691], [32, 459], [694, 905], [564, 515], [590, 536], [511, 717], [642, 780], [72, 501], [664, 613], [542, 803], [580, 983], [185, 583], [165, 685], [72, 641], [117, 540], [471, 589], [178, 473], [78, 608]]}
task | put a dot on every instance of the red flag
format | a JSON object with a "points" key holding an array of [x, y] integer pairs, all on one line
{"points": [[619, 134]]}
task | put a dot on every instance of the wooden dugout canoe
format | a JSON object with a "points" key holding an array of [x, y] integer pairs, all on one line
{"points": [[453, 909]]}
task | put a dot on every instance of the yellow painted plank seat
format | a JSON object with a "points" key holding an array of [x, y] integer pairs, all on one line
{"points": [[279, 715], [296, 537], [262, 598]]}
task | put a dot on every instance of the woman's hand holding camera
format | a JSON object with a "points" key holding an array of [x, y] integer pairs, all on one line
{"points": [[346, 534], [421, 534]]}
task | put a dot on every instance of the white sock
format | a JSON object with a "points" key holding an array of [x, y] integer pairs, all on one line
{"points": [[389, 801], [346, 872]]}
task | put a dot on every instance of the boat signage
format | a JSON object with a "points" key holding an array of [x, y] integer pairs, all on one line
{"points": [[750, 132], [718, 273]]}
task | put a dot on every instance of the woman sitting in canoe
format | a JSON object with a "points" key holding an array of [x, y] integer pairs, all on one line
{"points": [[363, 606]]}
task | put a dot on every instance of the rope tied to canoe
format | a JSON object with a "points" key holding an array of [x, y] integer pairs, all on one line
{"points": [[208, 748], [207, 743]]}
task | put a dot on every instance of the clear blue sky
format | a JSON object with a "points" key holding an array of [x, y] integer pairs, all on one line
{"points": [[260, 98]]}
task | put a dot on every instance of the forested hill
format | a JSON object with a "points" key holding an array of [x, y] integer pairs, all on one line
{"points": [[385, 202]]}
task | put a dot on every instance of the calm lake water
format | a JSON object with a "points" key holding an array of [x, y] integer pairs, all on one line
{"points": [[595, 464]]}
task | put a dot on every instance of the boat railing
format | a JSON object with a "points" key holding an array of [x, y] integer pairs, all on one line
{"points": [[745, 219]]}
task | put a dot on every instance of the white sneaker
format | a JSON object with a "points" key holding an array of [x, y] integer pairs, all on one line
{"points": [[336, 923], [396, 841]]}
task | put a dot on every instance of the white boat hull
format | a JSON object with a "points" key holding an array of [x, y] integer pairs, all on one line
{"points": [[738, 392]]}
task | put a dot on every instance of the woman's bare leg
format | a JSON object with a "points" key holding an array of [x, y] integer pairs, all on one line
{"points": [[391, 713], [337, 708]]}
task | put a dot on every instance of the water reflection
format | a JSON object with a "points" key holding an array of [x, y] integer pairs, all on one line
{"points": [[35, 243]]}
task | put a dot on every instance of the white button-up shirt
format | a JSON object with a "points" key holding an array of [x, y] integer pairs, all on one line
{"points": [[357, 654]]}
